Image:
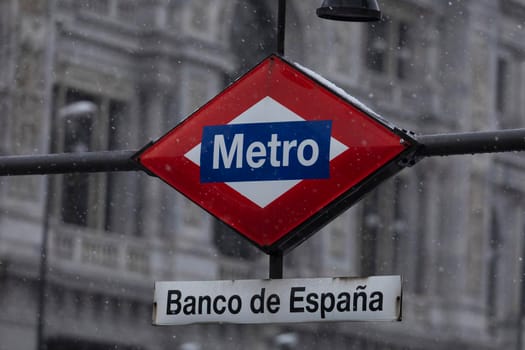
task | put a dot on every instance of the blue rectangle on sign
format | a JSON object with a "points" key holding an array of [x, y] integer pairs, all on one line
{"points": [[266, 151]]}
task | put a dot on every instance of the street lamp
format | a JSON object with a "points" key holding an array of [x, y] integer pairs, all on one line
{"points": [[350, 10]]}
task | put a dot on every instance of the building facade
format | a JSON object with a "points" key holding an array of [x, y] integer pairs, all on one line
{"points": [[96, 75]]}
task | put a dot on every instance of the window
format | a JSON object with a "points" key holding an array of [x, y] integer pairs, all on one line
{"points": [[230, 244], [508, 89], [252, 31], [338, 239], [370, 225], [403, 51], [377, 46], [493, 262], [200, 17], [76, 118], [341, 44], [388, 48], [399, 226], [86, 122], [502, 82], [127, 9], [383, 226], [420, 278], [475, 250], [99, 7]]}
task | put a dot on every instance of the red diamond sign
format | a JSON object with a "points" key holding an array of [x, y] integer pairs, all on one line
{"points": [[278, 154]]}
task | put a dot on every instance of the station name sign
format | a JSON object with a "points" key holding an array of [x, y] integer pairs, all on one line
{"points": [[376, 298]]}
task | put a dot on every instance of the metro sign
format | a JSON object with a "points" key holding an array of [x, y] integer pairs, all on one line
{"points": [[278, 154]]}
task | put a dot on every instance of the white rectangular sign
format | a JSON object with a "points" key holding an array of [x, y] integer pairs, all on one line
{"points": [[376, 298]]}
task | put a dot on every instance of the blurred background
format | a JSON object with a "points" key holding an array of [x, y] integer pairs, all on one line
{"points": [[90, 75]]}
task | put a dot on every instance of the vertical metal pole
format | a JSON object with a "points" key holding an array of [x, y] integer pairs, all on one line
{"points": [[521, 313], [276, 265], [42, 275], [281, 23], [41, 343], [276, 258]]}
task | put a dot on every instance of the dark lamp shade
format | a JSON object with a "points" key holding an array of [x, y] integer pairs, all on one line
{"points": [[350, 10]]}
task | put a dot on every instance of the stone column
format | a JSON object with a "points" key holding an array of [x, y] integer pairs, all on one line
{"points": [[31, 92]]}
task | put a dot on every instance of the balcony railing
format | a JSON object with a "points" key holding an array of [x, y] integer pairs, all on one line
{"points": [[100, 250]]}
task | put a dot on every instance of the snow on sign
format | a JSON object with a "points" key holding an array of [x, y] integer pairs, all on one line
{"points": [[278, 154], [376, 298]]}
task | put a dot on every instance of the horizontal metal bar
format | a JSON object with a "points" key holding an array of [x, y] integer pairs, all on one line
{"points": [[108, 161], [61, 163], [471, 143]]}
